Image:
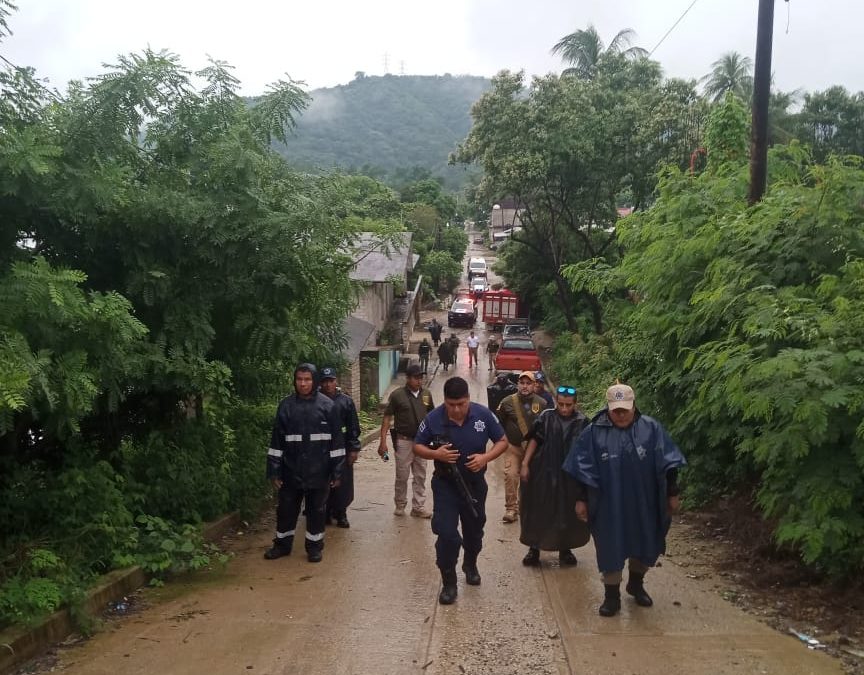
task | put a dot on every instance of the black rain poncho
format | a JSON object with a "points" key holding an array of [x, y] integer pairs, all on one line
{"points": [[547, 514]]}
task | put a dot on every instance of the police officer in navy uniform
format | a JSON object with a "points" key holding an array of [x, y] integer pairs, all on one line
{"points": [[455, 435], [342, 495], [305, 459]]}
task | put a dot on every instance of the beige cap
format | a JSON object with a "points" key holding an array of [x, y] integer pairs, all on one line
{"points": [[620, 396], [527, 373]]}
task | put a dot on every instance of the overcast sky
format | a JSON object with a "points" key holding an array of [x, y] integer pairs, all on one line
{"points": [[325, 42]]}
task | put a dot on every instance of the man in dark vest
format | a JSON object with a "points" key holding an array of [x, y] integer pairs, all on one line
{"points": [[305, 459], [406, 408], [517, 413], [435, 329], [548, 495], [342, 495], [628, 466]]}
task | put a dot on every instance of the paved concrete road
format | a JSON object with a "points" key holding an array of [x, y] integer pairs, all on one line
{"points": [[370, 608]]}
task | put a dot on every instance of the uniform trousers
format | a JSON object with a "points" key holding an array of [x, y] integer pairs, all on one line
{"points": [[449, 509], [342, 495], [408, 463], [288, 510], [513, 457]]}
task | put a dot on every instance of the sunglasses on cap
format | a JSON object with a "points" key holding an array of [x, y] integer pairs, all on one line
{"points": [[569, 391]]}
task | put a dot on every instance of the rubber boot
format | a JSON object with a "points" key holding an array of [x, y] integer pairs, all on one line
{"points": [[636, 588], [469, 566], [566, 557], [612, 602], [448, 593], [280, 547]]}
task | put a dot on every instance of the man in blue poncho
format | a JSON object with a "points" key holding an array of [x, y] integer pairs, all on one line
{"points": [[627, 465]]}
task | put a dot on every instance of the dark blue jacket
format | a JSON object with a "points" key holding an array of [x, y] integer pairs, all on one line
{"points": [[625, 473], [348, 420], [307, 445]]}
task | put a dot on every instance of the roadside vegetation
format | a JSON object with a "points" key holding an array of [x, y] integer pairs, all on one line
{"points": [[739, 326]]}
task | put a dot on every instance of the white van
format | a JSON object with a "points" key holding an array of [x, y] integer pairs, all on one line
{"points": [[476, 268]]}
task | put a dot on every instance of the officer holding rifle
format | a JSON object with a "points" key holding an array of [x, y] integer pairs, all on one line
{"points": [[455, 435]]}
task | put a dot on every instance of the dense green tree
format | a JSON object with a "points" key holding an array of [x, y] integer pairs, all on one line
{"points": [[566, 148], [832, 122]]}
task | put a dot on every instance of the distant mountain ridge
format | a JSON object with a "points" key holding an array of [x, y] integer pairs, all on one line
{"points": [[381, 124]]}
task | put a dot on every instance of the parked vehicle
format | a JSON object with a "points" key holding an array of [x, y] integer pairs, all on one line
{"points": [[521, 329], [477, 268], [478, 241], [517, 354], [463, 312], [500, 308]]}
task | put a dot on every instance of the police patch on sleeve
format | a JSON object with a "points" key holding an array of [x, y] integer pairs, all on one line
{"points": [[422, 427], [479, 426]]}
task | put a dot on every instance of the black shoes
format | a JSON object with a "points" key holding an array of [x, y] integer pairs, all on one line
{"points": [[278, 549], [566, 557], [612, 602], [314, 556], [532, 558], [636, 588], [472, 575], [448, 593]]}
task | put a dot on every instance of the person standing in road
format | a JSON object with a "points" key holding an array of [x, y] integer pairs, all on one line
{"points": [[540, 389], [305, 460], [628, 466], [342, 495], [423, 352], [435, 332], [406, 408], [492, 347], [455, 435], [473, 343], [453, 339], [445, 354], [517, 413], [547, 494]]}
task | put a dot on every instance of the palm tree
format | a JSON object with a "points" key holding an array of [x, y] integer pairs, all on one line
{"points": [[731, 72], [584, 49]]}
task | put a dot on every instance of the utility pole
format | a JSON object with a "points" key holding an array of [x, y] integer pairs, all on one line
{"points": [[761, 97]]}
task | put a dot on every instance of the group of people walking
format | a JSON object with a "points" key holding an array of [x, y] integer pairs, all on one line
{"points": [[567, 479]]}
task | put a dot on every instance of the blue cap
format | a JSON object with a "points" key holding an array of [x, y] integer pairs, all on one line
{"points": [[539, 377], [328, 373]]}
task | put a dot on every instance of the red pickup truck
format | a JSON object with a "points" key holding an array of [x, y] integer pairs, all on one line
{"points": [[517, 353]]}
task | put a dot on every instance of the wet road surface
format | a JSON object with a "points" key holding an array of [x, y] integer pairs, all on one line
{"points": [[371, 607]]}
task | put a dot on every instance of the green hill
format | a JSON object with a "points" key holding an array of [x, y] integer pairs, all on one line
{"points": [[384, 126]]}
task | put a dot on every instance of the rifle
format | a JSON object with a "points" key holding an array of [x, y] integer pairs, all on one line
{"points": [[453, 472]]}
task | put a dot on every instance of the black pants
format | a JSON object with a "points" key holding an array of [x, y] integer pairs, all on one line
{"points": [[448, 510], [342, 496], [287, 511], [424, 363]]}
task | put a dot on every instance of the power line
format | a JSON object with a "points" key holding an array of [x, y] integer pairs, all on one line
{"points": [[674, 25]]}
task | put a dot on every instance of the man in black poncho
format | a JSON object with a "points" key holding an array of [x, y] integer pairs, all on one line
{"points": [[548, 495]]}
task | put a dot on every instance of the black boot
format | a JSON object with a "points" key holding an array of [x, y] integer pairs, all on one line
{"points": [[314, 555], [342, 520], [566, 557], [612, 602], [469, 566], [448, 593], [280, 547], [636, 588], [532, 558]]}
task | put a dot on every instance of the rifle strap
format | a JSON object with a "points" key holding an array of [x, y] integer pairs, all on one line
{"points": [[520, 415]]}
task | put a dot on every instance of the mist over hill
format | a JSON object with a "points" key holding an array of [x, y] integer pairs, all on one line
{"points": [[386, 125]]}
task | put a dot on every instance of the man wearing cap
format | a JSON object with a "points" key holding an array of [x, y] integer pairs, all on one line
{"points": [[540, 389], [492, 347], [548, 495], [517, 413], [455, 435], [305, 459], [628, 467], [342, 495], [406, 408]]}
